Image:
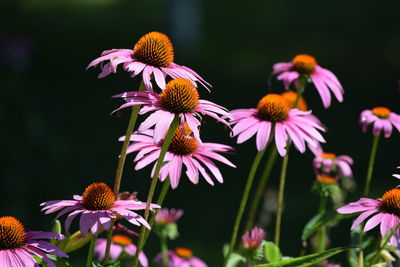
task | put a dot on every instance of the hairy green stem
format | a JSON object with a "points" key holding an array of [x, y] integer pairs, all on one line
{"points": [[273, 154], [371, 165], [322, 231], [167, 141], [280, 196], [243, 202], [164, 251], [90, 252]]}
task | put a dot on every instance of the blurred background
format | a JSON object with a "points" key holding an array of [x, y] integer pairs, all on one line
{"points": [[57, 134]]}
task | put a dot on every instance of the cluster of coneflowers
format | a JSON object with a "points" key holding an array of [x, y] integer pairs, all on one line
{"points": [[169, 139]]}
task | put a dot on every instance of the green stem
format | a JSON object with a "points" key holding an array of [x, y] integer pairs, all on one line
{"points": [[273, 153], [167, 141], [160, 201], [246, 192], [384, 242], [322, 230], [121, 163], [108, 245], [129, 130], [280, 196], [371, 164], [90, 252], [164, 251]]}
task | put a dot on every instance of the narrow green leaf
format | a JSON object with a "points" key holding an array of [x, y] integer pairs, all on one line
{"points": [[322, 219], [272, 252], [305, 260]]}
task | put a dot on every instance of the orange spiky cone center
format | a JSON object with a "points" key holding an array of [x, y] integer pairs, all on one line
{"points": [[180, 96], [184, 253], [154, 49], [390, 202], [121, 240], [304, 63], [328, 155], [291, 97], [12, 233], [181, 143], [381, 112], [327, 179], [273, 108], [98, 196]]}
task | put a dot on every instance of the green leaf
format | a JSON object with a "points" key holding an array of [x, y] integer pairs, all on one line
{"points": [[56, 229], [234, 258], [305, 260], [272, 252], [111, 263], [322, 219]]}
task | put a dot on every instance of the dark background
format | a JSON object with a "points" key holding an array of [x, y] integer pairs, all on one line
{"points": [[57, 134]]}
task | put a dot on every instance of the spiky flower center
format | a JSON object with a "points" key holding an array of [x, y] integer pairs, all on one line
{"points": [[304, 63], [180, 96], [381, 112], [328, 156], [390, 202], [184, 253], [291, 97], [121, 240], [273, 108], [154, 49], [12, 233], [181, 143], [326, 179], [98, 196]]}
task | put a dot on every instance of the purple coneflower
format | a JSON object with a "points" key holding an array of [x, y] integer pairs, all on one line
{"points": [[166, 216], [182, 151], [397, 175], [273, 114], [119, 244], [386, 212], [179, 97], [328, 163], [252, 240], [382, 119], [153, 55], [326, 263], [17, 246], [181, 257], [323, 79], [97, 207]]}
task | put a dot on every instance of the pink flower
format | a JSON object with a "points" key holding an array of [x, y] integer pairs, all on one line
{"points": [[153, 55], [252, 240], [119, 244], [166, 216], [17, 246], [397, 175], [382, 119], [385, 211], [182, 151], [182, 257], [179, 97], [329, 163], [274, 116], [326, 263], [306, 65], [97, 207]]}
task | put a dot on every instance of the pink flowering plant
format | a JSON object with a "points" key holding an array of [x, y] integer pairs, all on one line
{"points": [[168, 147]]}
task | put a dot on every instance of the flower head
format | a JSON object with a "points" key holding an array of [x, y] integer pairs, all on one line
{"points": [[119, 244], [252, 240], [273, 115], [291, 97], [385, 211], [166, 216], [181, 257], [326, 263], [182, 151], [17, 246], [180, 97], [333, 165], [153, 55], [306, 66], [97, 206], [382, 119]]}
